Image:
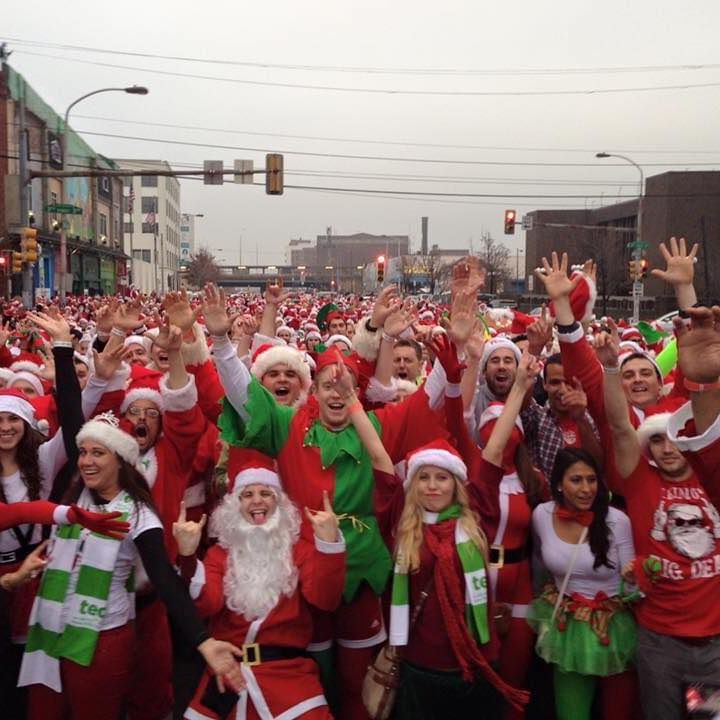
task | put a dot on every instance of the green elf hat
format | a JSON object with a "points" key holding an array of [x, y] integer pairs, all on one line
{"points": [[327, 313]]}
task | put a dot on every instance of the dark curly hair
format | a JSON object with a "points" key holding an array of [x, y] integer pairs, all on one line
{"points": [[598, 532]]}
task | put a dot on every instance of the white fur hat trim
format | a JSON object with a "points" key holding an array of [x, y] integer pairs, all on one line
{"points": [[653, 425], [111, 436], [282, 355], [440, 458], [256, 476], [28, 377], [499, 343], [142, 394]]}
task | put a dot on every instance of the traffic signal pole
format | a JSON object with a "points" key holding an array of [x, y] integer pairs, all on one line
{"points": [[25, 190]]}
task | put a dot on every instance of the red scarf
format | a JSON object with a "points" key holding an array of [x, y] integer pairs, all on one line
{"points": [[450, 589], [584, 517]]}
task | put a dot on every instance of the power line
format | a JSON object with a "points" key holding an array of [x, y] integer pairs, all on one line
{"points": [[388, 142], [346, 156], [377, 70], [388, 91]]}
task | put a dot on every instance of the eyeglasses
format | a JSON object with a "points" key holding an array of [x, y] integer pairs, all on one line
{"points": [[148, 412]]}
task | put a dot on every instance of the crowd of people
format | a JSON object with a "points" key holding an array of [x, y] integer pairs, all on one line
{"points": [[271, 506]]}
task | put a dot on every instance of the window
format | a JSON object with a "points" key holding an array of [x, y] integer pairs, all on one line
{"points": [[149, 228], [149, 204], [143, 255], [149, 181], [103, 224], [129, 228]]}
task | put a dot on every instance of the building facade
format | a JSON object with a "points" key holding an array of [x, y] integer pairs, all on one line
{"points": [[152, 225], [96, 260], [187, 237]]}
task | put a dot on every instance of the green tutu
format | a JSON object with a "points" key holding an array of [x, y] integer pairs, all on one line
{"points": [[577, 648]]}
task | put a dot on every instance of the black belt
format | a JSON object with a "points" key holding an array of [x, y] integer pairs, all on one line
{"points": [[255, 654], [16, 556], [500, 555]]}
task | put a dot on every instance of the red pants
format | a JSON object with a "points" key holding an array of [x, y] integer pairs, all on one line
{"points": [[151, 694], [90, 693]]}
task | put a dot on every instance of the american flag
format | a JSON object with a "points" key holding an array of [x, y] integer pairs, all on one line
{"points": [[150, 218]]}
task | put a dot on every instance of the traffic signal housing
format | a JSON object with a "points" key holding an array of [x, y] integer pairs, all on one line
{"points": [[510, 216], [17, 260], [29, 244], [643, 268], [274, 182], [381, 269]]}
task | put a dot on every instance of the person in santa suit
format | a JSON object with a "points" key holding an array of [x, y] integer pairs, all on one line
{"points": [[256, 586], [317, 450], [448, 649]]}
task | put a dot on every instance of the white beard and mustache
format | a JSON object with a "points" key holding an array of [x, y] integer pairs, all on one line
{"points": [[696, 542], [260, 565]]}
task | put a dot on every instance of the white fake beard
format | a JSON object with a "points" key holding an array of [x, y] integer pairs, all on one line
{"points": [[260, 564], [693, 543]]}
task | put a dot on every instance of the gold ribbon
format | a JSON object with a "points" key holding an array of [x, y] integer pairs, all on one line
{"points": [[355, 521]]}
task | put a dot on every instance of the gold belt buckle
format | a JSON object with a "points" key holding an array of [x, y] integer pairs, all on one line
{"points": [[254, 650], [500, 549]]}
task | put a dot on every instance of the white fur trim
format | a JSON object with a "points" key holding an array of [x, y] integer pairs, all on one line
{"points": [[641, 355], [196, 352], [493, 412], [366, 343], [440, 458], [178, 399], [6, 374], [28, 377], [330, 548], [339, 338], [573, 336], [142, 394], [18, 406], [112, 438], [282, 355], [256, 476], [60, 515], [376, 392], [407, 385], [652, 425], [26, 366], [138, 340], [499, 344], [690, 443]]}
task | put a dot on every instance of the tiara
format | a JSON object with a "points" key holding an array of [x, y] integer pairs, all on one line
{"points": [[108, 418]]}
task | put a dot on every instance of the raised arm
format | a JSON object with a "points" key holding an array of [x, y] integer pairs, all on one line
{"points": [[679, 271], [275, 295], [626, 446]]}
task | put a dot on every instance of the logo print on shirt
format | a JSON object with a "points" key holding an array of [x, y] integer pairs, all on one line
{"points": [[690, 529]]}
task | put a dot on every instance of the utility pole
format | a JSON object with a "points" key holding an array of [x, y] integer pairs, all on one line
{"points": [[25, 195]]}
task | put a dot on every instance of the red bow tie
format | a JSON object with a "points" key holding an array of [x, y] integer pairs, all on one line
{"points": [[584, 517]]}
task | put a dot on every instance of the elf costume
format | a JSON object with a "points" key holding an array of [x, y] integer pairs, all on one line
{"points": [[313, 459]]}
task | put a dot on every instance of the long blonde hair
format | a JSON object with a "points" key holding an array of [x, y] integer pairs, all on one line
{"points": [[409, 533]]}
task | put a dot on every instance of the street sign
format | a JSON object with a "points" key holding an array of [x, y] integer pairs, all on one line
{"points": [[213, 172], [245, 167], [527, 222], [63, 209], [639, 245]]}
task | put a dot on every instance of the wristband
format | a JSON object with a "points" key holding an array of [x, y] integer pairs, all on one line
{"points": [[356, 407], [388, 338], [117, 332], [700, 387], [611, 370], [62, 344], [103, 336]]}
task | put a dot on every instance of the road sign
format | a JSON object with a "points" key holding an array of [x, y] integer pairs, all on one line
{"points": [[245, 167], [639, 245], [63, 209], [527, 222], [213, 172]]}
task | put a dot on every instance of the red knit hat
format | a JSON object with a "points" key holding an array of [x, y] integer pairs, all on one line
{"points": [[144, 385]]}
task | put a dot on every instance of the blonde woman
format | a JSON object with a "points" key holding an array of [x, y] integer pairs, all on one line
{"points": [[440, 580]]}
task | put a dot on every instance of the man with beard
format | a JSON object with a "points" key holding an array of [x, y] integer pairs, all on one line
{"points": [[256, 586], [318, 450], [675, 531]]}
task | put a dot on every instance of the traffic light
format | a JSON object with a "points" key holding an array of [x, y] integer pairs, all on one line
{"points": [[510, 216], [274, 183], [633, 269], [3, 263], [29, 244], [644, 264], [381, 269], [17, 260]]}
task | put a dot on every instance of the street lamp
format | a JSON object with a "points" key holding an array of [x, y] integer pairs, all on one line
{"points": [[132, 90], [637, 245]]}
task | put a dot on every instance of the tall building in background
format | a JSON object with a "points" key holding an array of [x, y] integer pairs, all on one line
{"points": [[187, 237], [152, 226]]}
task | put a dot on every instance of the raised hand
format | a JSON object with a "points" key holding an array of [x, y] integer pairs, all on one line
{"points": [[187, 533], [276, 294], [384, 305], [527, 372], [56, 326], [169, 338], [102, 523], [463, 315], [540, 333], [446, 353], [343, 380], [177, 308], [5, 333], [400, 319], [129, 315], [680, 264], [214, 311], [555, 278], [468, 274], [324, 522], [699, 345], [105, 317], [107, 363], [574, 401], [607, 349], [476, 344]]}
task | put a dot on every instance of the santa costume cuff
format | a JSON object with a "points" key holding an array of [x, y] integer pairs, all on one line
{"points": [[196, 352], [179, 399], [366, 343], [330, 548]]}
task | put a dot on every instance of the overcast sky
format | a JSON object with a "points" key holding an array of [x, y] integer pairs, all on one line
{"points": [[527, 49]]}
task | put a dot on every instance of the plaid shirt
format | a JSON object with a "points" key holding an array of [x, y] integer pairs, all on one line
{"points": [[544, 436]]}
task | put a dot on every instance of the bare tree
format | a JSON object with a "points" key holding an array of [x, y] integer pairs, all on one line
{"points": [[202, 268], [496, 258], [607, 249]]}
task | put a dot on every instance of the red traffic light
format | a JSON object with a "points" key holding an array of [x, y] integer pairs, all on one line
{"points": [[3, 261], [381, 258], [510, 222]]}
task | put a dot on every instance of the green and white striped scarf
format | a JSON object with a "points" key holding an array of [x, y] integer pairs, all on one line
{"points": [[473, 565], [66, 624]]}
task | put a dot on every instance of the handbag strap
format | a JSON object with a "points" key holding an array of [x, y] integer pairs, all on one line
{"points": [[566, 579], [421, 601]]}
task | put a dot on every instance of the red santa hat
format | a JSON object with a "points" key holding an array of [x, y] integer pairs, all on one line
{"points": [[257, 470], [582, 298], [521, 322], [27, 362], [641, 354], [631, 333], [267, 356], [499, 343], [655, 424], [6, 374], [13, 401], [344, 339], [105, 429], [144, 385], [439, 453], [29, 378], [332, 356]]}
